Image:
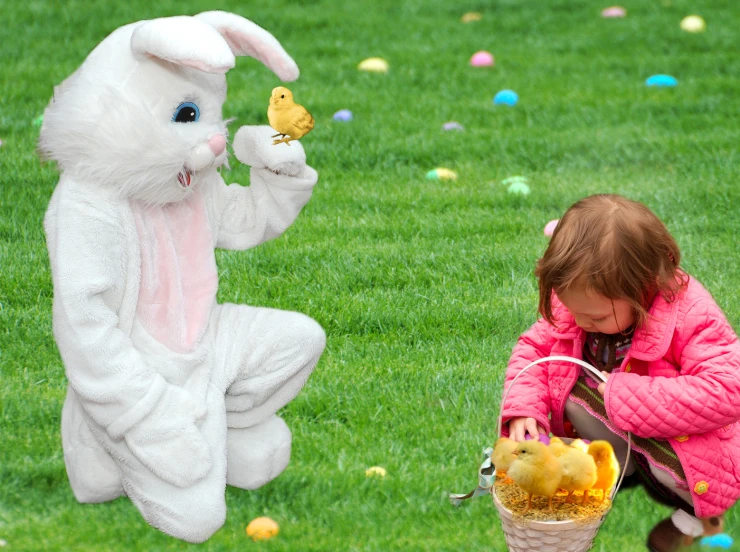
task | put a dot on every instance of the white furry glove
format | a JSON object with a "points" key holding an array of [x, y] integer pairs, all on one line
{"points": [[168, 442], [253, 146]]}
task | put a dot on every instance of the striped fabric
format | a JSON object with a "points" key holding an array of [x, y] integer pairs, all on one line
{"points": [[606, 352]]}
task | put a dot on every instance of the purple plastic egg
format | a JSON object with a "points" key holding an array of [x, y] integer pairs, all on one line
{"points": [[452, 125], [343, 115], [543, 438]]}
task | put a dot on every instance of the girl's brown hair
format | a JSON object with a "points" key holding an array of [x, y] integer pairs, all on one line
{"points": [[615, 247]]}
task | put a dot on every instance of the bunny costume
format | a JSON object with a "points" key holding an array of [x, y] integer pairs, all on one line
{"points": [[171, 396]]}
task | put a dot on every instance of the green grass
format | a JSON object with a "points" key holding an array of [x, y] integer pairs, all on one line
{"points": [[422, 286]]}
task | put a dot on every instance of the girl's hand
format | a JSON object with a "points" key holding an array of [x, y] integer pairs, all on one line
{"points": [[602, 386], [519, 427]]}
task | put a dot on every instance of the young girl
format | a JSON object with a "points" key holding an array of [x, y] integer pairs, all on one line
{"points": [[612, 293]]}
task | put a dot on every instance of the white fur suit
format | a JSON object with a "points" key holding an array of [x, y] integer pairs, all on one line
{"points": [[171, 396]]}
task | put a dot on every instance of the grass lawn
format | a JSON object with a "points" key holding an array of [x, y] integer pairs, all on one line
{"points": [[422, 286]]}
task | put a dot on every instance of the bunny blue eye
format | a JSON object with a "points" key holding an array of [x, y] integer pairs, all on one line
{"points": [[186, 112]]}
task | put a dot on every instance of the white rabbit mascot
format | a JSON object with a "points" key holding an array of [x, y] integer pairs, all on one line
{"points": [[171, 396]]}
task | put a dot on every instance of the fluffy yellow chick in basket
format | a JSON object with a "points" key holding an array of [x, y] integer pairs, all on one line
{"points": [[579, 444], [536, 470], [502, 455], [607, 466], [287, 117], [579, 468]]}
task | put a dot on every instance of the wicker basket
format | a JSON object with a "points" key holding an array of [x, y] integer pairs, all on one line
{"points": [[550, 536]]}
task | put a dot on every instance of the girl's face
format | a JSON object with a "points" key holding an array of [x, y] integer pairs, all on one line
{"points": [[595, 313]]}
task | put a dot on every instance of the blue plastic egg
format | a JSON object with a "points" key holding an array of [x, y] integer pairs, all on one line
{"points": [[661, 80], [723, 540], [506, 97]]}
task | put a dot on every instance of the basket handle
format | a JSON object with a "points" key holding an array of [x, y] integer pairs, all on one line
{"points": [[592, 372]]}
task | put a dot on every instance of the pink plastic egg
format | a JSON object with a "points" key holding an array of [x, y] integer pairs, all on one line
{"points": [[550, 227], [482, 59], [614, 11]]}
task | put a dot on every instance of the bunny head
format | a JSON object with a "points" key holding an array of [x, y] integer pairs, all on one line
{"points": [[143, 115]]}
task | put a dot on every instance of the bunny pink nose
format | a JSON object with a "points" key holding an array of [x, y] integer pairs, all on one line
{"points": [[217, 144]]}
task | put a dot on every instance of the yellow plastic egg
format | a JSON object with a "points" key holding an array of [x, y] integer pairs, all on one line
{"points": [[446, 174], [375, 64], [471, 16], [262, 528], [693, 24], [441, 173], [376, 470]]}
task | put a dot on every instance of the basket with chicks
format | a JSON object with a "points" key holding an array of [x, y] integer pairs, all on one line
{"points": [[551, 496]]}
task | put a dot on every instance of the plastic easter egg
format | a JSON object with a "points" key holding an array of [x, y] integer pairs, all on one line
{"points": [[441, 173], [544, 439], [343, 115], [613, 12], [513, 179], [721, 540], [376, 471], [662, 81], [38, 121], [262, 528], [519, 188], [550, 227], [452, 125], [506, 97], [471, 16], [375, 65], [482, 59], [693, 24]]}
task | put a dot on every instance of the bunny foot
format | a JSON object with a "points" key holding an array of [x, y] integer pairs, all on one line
{"points": [[257, 454]]}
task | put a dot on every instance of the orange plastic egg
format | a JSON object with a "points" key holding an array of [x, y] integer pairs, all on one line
{"points": [[262, 528]]}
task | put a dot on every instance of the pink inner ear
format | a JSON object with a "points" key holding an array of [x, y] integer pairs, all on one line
{"points": [[255, 48], [200, 66]]}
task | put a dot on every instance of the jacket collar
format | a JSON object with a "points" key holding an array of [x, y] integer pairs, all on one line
{"points": [[649, 343]]}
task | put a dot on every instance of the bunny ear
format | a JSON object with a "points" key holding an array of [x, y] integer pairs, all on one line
{"points": [[185, 41], [249, 39]]}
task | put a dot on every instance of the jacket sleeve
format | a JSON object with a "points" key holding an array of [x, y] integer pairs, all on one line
{"points": [[87, 252], [704, 397], [247, 216], [530, 394]]}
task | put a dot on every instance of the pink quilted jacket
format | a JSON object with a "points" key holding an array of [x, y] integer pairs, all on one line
{"points": [[679, 382]]}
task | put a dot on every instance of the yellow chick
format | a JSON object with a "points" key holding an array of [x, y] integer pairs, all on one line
{"points": [[287, 117], [536, 471], [579, 444], [502, 455], [579, 468], [607, 466], [557, 446]]}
